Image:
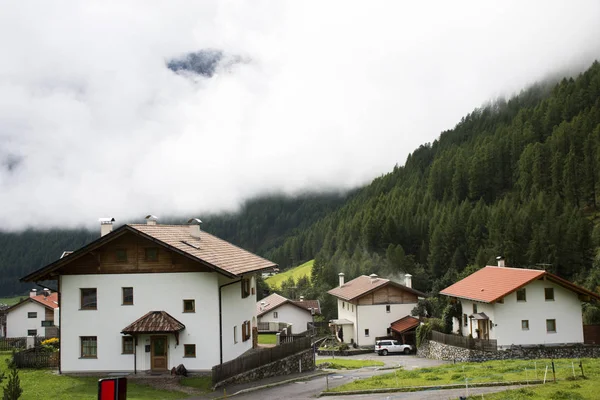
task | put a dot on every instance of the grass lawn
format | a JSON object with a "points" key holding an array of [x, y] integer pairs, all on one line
{"points": [[267, 338], [203, 383], [11, 300], [341, 363], [498, 371], [46, 384], [305, 269]]}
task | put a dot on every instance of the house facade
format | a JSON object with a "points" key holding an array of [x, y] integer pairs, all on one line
{"points": [[32, 316], [368, 306], [518, 306], [275, 311], [150, 297]]}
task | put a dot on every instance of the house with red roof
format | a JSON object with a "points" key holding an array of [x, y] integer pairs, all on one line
{"points": [[33, 316], [371, 307], [275, 311], [149, 297], [518, 306]]}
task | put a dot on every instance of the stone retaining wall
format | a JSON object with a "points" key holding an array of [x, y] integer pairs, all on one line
{"points": [[284, 366], [440, 351]]}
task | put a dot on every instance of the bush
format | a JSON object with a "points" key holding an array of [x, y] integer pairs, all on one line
{"points": [[51, 344]]}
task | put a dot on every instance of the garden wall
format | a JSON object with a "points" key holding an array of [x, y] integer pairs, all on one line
{"points": [[440, 351]]}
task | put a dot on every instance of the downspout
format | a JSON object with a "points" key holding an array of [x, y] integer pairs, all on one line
{"points": [[221, 320], [357, 344], [60, 324], [135, 343]]}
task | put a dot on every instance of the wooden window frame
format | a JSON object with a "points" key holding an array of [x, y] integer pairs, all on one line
{"points": [[245, 284], [32, 330], [32, 314], [522, 291], [146, 254], [524, 324], [191, 354], [553, 323], [81, 305], [125, 339], [546, 291], [123, 302], [465, 320], [275, 315], [235, 334], [81, 340], [474, 308], [121, 252], [246, 331], [193, 302]]}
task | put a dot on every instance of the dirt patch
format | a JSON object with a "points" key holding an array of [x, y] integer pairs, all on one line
{"points": [[172, 384]]}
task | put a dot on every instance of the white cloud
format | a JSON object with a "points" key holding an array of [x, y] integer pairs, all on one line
{"points": [[331, 95]]}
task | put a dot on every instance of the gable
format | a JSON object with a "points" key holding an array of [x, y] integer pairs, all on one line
{"points": [[388, 294]]}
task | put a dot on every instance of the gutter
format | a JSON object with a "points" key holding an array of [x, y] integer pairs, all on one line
{"points": [[221, 320]]}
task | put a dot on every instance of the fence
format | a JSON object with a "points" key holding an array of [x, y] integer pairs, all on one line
{"points": [[272, 326], [257, 359], [465, 342], [282, 339], [34, 358], [16, 343]]}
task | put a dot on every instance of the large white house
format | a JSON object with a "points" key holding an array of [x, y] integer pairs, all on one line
{"points": [[368, 306], [275, 310], [151, 297], [32, 316], [517, 306]]}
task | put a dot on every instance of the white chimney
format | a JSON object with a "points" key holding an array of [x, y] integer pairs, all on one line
{"points": [[500, 260], [341, 275], [301, 298], [33, 293], [46, 292], [195, 227], [408, 280], [151, 219], [373, 277], [106, 225]]}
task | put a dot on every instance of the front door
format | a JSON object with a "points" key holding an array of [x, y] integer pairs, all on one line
{"points": [[158, 354], [482, 326]]}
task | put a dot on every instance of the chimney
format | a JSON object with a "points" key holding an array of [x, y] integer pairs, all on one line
{"points": [[408, 280], [500, 260], [301, 298], [46, 292], [151, 219], [106, 225], [194, 224], [33, 293], [262, 305], [341, 275], [373, 277]]}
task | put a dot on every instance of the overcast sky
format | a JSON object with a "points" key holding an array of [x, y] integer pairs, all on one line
{"points": [[329, 95]]}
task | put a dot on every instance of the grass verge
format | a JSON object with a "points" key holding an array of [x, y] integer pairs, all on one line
{"points": [[267, 338], [11, 300], [202, 383], [305, 269], [349, 364]]}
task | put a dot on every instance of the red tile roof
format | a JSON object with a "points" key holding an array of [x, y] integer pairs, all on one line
{"points": [[50, 301], [365, 284], [154, 322], [405, 324], [492, 283]]}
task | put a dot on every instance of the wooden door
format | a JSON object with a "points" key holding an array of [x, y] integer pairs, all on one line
{"points": [[158, 354], [482, 325]]}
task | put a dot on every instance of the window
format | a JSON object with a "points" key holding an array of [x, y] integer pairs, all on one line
{"points": [[151, 254], [246, 332], [500, 300], [189, 306], [235, 340], [275, 314], [551, 325], [89, 346], [343, 305], [127, 296], [525, 324], [189, 350], [388, 308], [465, 320], [89, 299], [121, 255], [549, 294], [352, 307], [32, 315], [474, 308], [389, 331], [245, 287], [366, 332], [31, 332], [521, 295], [47, 323], [127, 342]]}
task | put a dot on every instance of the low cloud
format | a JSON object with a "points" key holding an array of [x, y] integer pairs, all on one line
{"points": [[98, 119]]}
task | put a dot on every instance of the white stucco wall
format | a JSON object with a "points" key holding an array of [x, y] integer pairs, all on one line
{"points": [[347, 311], [470, 328], [17, 322], [152, 292], [290, 314], [378, 320]]}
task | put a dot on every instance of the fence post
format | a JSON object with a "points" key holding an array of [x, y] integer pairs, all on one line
{"points": [[553, 371], [581, 366]]}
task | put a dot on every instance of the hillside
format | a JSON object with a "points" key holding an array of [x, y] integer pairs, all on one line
{"points": [[296, 273]]}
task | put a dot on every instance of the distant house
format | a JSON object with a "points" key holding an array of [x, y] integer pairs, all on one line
{"points": [[3, 308], [33, 316], [149, 297], [274, 311], [369, 306], [518, 306]]}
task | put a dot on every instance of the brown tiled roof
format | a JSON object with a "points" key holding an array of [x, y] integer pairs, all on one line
{"points": [[275, 300], [155, 322], [405, 324], [492, 283], [365, 284], [308, 304]]}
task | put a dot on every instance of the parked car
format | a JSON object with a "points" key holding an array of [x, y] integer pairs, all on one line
{"points": [[383, 347]]}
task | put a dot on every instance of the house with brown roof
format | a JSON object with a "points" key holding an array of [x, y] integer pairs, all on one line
{"points": [[368, 306], [275, 311], [32, 316], [518, 306], [148, 297]]}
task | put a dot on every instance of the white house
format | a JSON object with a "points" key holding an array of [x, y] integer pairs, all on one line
{"points": [[369, 305], [33, 316], [275, 310], [151, 297], [517, 306]]}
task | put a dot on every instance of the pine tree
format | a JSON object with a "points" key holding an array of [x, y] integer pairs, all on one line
{"points": [[13, 389]]}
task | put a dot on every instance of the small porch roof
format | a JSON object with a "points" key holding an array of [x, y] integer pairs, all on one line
{"points": [[405, 324], [341, 322], [154, 322], [479, 316]]}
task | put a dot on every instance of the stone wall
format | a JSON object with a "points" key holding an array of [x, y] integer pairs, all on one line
{"points": [[284, 366], [440, 351]]}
